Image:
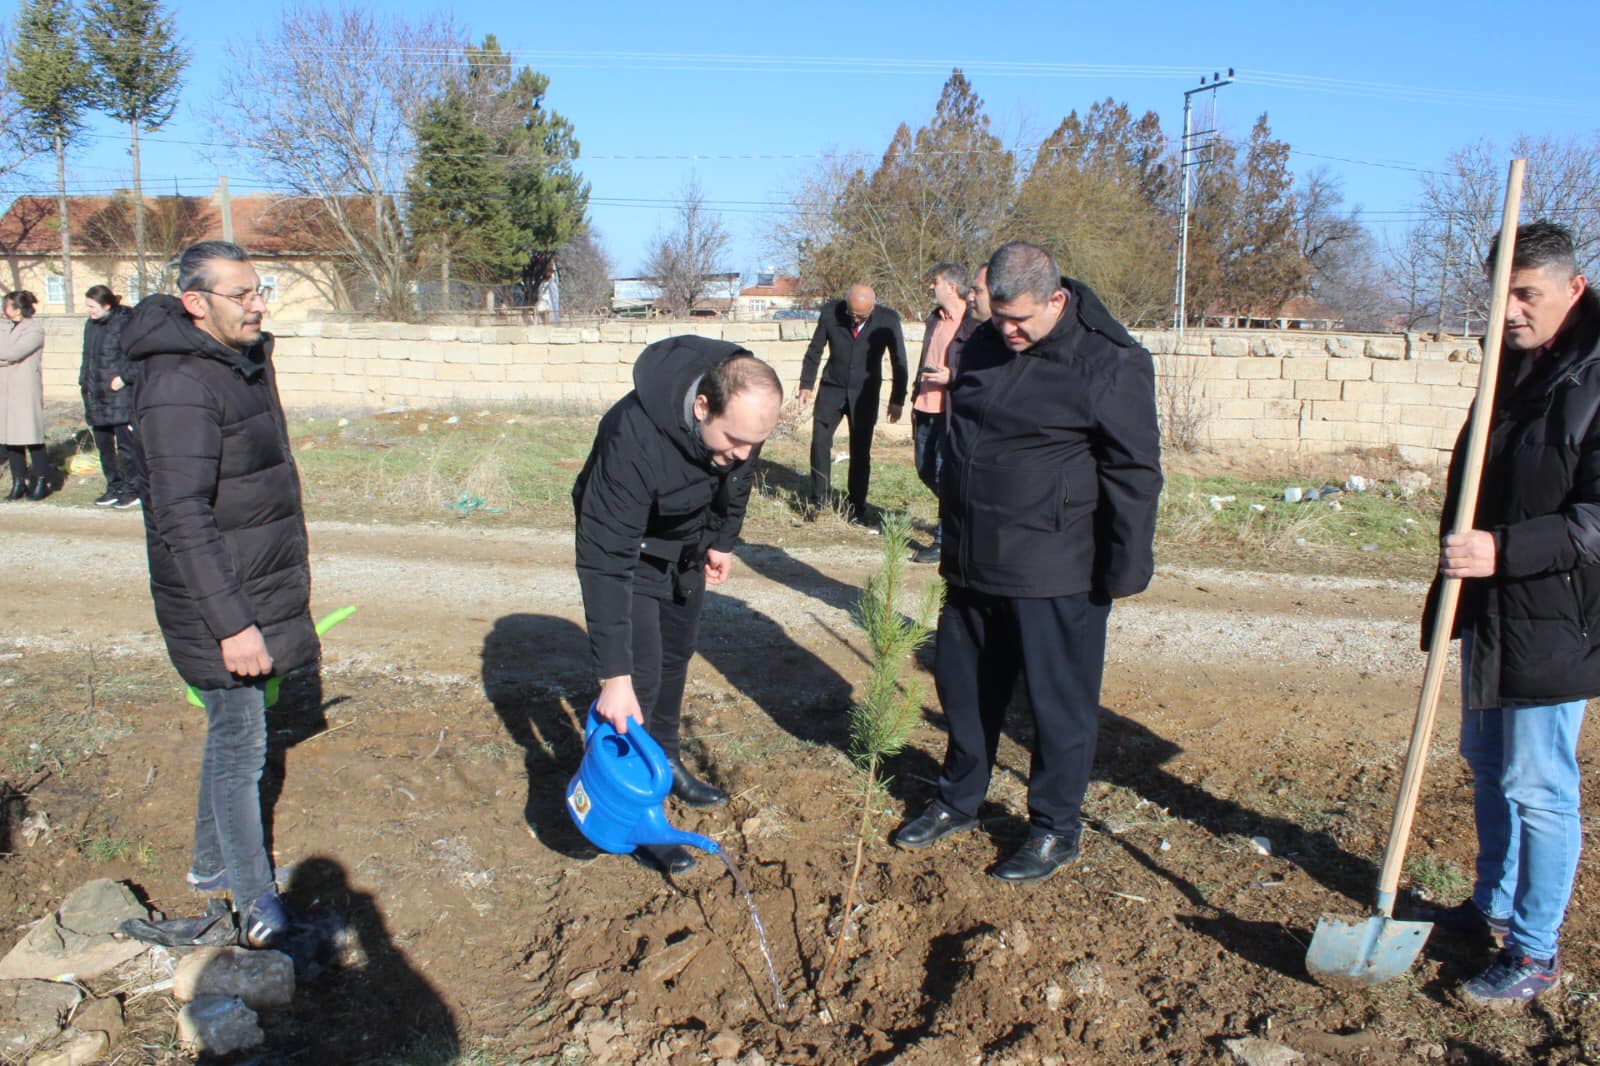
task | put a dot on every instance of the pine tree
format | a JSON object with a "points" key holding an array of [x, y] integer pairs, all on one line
{"points": [[51, 81], [137, 68]]}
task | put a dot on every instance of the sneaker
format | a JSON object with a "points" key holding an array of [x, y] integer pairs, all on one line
{"points": [[267, 923], [1464, 919], [126, 502], [106, 499], [1513, 980]]}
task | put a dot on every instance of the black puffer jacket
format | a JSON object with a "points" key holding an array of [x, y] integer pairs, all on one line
{"points": [[649, 502], [103, 360], [1536, 624], [222, 515], [1052, 461]]}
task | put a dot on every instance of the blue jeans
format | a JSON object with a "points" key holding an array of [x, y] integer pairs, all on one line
{"points": [[927, 439], [1525, 803], [227, 825]]}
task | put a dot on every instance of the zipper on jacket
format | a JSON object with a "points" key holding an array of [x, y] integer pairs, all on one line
{"points": [[983, 420], [1577, 599]]}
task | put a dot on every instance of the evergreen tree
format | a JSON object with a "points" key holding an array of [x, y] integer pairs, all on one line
{"points": [[548, 200], [137, 67], [459, 200], [51, 81]]}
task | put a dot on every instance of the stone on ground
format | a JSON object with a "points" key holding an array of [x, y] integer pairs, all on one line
{"points": [[219, 1025], [260, 978], [78, 941]]}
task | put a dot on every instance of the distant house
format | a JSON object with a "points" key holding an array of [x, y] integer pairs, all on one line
{"points": [[770, 293], [641, 297], [1300, 312], [278, 232]]}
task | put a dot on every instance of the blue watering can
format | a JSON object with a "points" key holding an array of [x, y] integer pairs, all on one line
{"points": [[615, 797]]}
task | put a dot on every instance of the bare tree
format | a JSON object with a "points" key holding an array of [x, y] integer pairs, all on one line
{"points": [[357, 80], [18, 144], [682, 260], [585, 271], [1462, 211]]}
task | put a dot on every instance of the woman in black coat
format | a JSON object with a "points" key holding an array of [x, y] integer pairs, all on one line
{"points": [[106, 382]]}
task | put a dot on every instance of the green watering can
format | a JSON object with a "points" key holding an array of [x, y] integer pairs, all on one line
{"points": [[327, 622]]}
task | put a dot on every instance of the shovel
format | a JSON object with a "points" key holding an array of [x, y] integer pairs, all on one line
{"points": [[1370, 951]]}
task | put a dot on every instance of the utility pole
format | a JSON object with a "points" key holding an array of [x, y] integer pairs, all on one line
{"points": [[225, 208], [1191, 157], [1444, 272]]}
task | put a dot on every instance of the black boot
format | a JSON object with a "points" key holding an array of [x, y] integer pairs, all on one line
{"points": [[39, 490], [18, 487], [692, 790], [665, 858]]}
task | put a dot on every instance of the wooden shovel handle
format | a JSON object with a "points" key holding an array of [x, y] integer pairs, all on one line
{"points": [[1466, 508]]}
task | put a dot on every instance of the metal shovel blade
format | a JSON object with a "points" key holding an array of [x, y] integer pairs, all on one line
{"points": [[1364, 951]]}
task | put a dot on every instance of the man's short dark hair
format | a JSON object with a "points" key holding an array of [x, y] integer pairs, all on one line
{"points": [[1019, 268], [1540, 245], [194, 274], [953, 273], [740, 372]]}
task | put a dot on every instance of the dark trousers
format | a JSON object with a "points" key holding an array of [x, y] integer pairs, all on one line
{"points": [[861, 412], [119, 459], [1058, 647], [19, 455], [927, 441], [228, 832], [664, 636]]}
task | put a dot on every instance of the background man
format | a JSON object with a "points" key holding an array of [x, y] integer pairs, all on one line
{"points": [[659, 504], [226, 536], [1052, 471], [857, 332], [1529, 618], [947, 328]]}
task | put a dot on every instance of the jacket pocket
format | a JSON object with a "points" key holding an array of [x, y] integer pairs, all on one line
{"points": [[1010, 509]]}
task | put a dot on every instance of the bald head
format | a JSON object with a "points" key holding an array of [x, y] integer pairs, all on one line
{"points": [[861, 300]]}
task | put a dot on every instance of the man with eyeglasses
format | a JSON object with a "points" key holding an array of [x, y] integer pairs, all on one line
{"points": [[857, 333], [226, 536]]}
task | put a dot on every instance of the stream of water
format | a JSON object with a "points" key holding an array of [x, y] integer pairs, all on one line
{"points": [[761, 930]]}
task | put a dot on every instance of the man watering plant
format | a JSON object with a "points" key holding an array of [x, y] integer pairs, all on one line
{"points": [[659, 504], [1529, 619]]}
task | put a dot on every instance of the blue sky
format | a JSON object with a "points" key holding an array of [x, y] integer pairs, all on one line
{"points": [[745, 96]]}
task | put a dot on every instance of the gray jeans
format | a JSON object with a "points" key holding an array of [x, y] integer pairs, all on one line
{"points": [[227, 825]]}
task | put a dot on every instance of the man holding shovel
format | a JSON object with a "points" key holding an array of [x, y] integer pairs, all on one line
{"points": [[1529, 618]]}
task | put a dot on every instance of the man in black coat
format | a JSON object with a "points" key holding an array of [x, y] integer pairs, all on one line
{"points": [[1051, 474], [229, 568], [659, 505], [857, 333], [1529, 617]]}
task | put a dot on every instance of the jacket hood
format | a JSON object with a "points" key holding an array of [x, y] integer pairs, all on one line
{"points": [[665, 373], [160, 326], [1094, 316]]}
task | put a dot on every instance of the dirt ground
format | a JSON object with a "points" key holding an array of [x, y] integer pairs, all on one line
{"points": [[417, 791]]}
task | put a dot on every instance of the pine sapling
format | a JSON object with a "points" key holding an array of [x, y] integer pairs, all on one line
{"points": [[882, 719]]}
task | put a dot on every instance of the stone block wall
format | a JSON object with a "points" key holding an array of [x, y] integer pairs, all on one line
{"points": [[1279, 389]]}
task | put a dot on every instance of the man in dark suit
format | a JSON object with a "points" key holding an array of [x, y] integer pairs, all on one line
{"points": [[857, 333]]}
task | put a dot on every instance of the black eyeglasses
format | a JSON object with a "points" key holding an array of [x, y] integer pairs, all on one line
{"points": [[241, 298]]}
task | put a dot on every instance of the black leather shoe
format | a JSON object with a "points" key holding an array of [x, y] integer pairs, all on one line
{"points": [[932, 825], [1041, 855], [17, 489], [664, 858], [693, 791], [930, 554], [39, 489]]}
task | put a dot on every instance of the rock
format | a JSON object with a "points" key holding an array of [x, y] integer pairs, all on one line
{"points": [[81, 1050], [259, 978], [77, 942], [219, 1025], [585, 984], [33, 1011], [1254, 1051], [666, 965], [723, 1046], [1412, 482], [101, 1016], [1356, 483], [1086, 978], [1054, 997]]}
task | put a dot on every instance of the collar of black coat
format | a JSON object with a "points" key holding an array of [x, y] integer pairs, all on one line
{"points": [[160, 326], [663, 377], [1575, 347]]}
